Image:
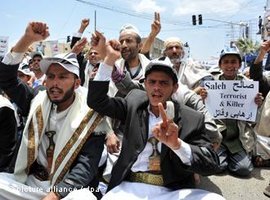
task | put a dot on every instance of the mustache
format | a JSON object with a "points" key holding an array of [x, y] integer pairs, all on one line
{"points": [[54, 89], [157, 93]]}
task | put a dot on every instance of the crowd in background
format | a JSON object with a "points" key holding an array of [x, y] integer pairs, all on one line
{"points": [[74, 120]]}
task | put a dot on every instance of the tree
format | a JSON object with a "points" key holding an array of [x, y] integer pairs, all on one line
{"points": [[248, 49], [247, 46]]}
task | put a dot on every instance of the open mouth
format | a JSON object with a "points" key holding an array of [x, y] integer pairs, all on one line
{"points": [[156, 96], [125, 51], [55, 92]]}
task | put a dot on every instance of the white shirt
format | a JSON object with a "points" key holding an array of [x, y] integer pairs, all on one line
{"points": [[55, 123], [13, 58], [142, 162], [39, 81]]}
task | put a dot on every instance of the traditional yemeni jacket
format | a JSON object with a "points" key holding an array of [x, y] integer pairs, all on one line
{"points": [[80, 122]]}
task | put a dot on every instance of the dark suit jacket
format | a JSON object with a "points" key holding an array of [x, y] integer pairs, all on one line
{"points": [[8, 135], [81, 60], [256, 73], [133, 112]]}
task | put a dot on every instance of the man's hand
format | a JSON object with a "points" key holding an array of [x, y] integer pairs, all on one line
{"points": [[51, 196], [79, 45], [35, 31], [167, 131], [155, 29], [155, 26], [259, 99], [112, 143], [198, 90], [112, 52], [265, 47], [99, 42], [84, 24]]}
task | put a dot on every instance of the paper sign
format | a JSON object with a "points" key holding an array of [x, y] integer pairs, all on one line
{"points": [[232, 99]]}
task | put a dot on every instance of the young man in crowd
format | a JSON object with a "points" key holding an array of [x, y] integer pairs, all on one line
{"points": [[185, 146], [239, 138], [62, 140]]}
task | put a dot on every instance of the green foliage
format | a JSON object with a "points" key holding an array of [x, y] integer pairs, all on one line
{"points": [[247, 46]]}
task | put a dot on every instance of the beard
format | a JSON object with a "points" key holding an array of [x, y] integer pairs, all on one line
{"points": [[129, 54], [68, 94], [175, 60]]}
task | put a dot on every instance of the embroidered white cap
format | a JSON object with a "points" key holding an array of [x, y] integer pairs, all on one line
{"points": [[130, 28], [68, 61]]}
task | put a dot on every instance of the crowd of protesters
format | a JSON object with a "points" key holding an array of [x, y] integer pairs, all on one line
{"points": [[112, 123]]}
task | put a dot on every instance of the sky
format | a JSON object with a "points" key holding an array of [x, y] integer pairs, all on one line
{"points": [[206, 41]]}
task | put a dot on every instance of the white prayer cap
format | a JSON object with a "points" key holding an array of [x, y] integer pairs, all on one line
{"points": [[130, 28], [24, 68], [174, 40], [36, 53], [68, 61], [162, 64]]}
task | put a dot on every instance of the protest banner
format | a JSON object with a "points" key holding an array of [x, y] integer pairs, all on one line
{"points": [[232, 99], [54, 47], [3, 45]]}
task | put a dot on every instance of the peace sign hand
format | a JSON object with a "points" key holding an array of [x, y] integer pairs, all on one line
{"points": [[167, 131], [156, 26]]}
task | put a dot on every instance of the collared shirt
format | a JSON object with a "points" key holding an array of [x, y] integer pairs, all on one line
{"points": [[142, 162], [184, 152]]}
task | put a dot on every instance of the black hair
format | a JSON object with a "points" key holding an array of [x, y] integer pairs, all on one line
{"points": [[167, 70], [138, 39]]}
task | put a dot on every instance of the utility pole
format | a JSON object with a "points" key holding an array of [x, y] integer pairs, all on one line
{"points": [[244, 30], [95, 21]]}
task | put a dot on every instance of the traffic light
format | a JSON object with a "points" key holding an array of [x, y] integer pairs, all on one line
{"points": [[194, 20], [200, 19], [68, 38]]}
